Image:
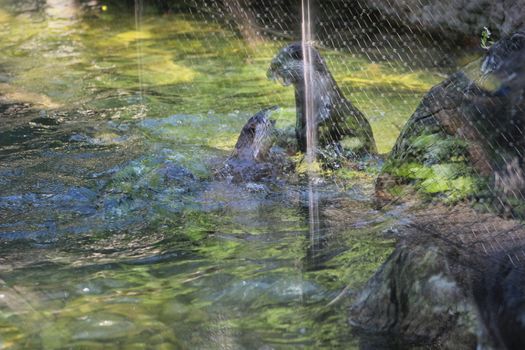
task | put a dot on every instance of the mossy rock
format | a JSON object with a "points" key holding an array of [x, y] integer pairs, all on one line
{"points": [[445, 151]]}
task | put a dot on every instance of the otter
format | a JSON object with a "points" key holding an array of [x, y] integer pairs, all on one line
{"points": [[253, 158], [336, 117], [256, 137]]}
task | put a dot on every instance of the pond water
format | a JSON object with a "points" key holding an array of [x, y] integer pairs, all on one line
{"points": [[113, 232]]}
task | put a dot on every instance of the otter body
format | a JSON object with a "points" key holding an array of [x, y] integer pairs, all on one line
{"points": [[336, 117], [256, 137], [253, 158]]}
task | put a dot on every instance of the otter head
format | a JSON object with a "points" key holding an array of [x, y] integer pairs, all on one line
{"points": [[256, 138], [288, 65]]}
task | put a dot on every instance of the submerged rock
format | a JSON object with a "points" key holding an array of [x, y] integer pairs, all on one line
{"points": [[414, 295]]}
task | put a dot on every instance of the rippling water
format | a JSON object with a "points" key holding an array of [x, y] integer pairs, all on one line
{"points": [[113, 231]]}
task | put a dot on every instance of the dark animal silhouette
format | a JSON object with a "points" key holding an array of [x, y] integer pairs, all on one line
{"points": [[335, 116]]}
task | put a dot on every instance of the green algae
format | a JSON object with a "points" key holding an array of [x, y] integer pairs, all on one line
{"points": [[183, 309], [437, 166]]}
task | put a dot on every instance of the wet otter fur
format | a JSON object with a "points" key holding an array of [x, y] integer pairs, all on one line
{"points": [[253, 158], [337, 118], [256, 137]]}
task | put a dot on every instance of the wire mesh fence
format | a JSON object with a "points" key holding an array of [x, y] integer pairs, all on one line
{"points": [[149, 98], [385, 56], [382, 64]]}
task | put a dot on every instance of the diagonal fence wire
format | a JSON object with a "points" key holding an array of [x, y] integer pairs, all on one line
{"points": [[368, 41]]}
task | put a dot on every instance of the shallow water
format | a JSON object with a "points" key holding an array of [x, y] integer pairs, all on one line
{"points": [[113, 232]]}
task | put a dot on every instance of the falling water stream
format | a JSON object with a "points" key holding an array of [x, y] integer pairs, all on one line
{"points": [[311, 128], [309, 83], [139, 8]]}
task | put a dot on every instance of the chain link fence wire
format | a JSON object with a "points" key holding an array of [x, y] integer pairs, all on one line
{"points": [[385, 56], [382, 63]]}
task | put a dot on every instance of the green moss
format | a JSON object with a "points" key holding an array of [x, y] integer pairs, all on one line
{"points": [[434, 148], [436, 165], [408, 170], [397, 191]]}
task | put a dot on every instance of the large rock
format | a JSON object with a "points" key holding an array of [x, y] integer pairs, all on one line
{"points": [[450, 283], [466, 138], [456, 280]]}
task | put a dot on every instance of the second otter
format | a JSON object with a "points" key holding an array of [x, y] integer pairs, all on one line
{"points": [[253, 158], [336, 117]]}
